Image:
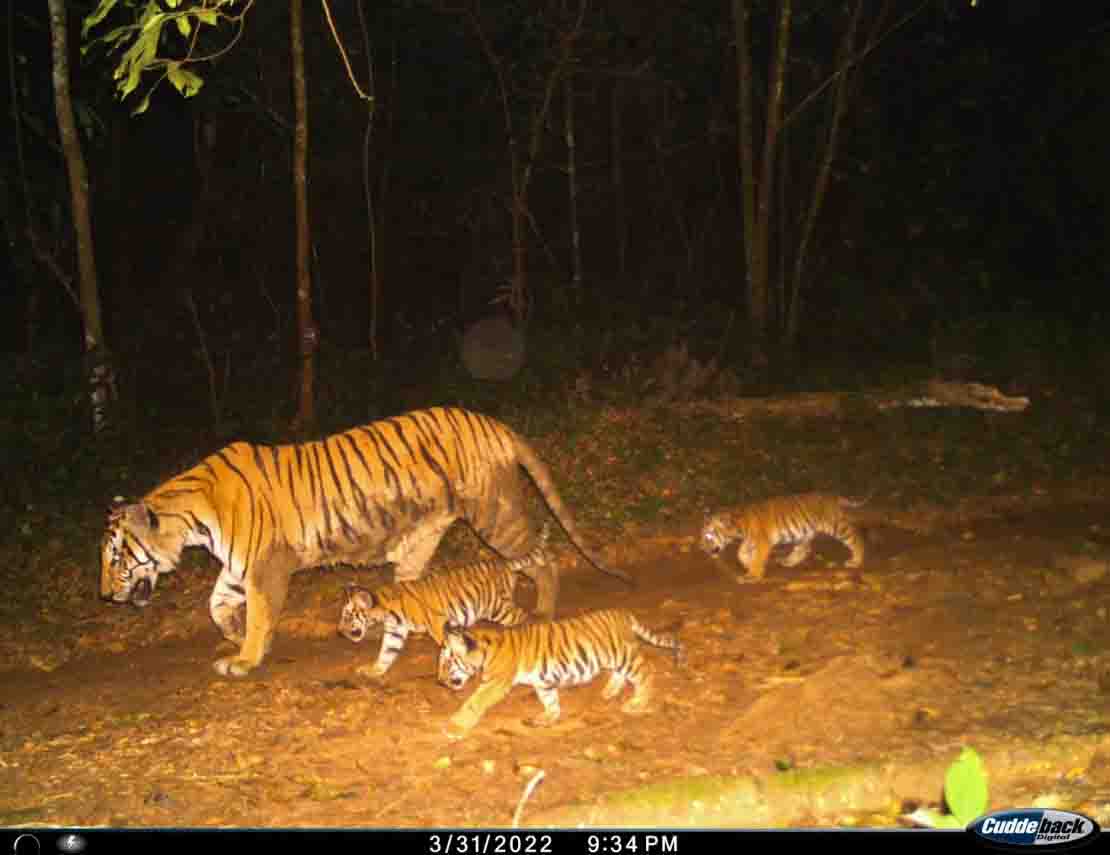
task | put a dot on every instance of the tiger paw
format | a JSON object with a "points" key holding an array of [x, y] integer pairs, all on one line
{"points": [[232, 666], [541, 721], [371, 673], [454, 731], [233, 626], [636, 706]]}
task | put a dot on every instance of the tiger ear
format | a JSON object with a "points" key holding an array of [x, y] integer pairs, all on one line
{"points": [[352, 590], [450, 629], [139, 516]]}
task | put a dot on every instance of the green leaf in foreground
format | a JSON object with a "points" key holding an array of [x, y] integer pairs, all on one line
{"points": [[965, 792], [965, 787]]}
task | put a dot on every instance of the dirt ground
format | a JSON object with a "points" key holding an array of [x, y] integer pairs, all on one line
{"points": [[987, 629]]}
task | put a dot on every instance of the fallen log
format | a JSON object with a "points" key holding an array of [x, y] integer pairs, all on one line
{"points": [[931, 393]]}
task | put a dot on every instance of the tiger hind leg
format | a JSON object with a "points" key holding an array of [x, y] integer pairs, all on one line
{"points": [[418, 548], [547, 590], [851, 538], [266, 589], [514, 539], [798, 553]]}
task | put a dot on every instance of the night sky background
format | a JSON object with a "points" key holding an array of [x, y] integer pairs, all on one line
{"points": [[970, 183]]}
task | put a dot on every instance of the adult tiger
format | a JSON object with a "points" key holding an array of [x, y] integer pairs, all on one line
{"points": [[383, 492]]}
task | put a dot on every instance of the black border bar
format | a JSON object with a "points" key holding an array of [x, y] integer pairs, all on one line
{"points": [[504, 841]]}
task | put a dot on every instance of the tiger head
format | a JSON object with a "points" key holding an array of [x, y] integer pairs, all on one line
{"points": [[360, 612], [137, 546], [460, 658], [715, 536]]}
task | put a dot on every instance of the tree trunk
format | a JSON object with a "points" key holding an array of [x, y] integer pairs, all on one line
{"points": [[188, 240], [572, 185], [821, 183], [375, 222], [521, 165], [620, 219], [760, 275], [99, 367], [307, 334], [519, 295], [745, 143]]}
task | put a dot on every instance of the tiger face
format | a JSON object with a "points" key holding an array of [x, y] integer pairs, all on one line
{"points": [[136, 548], [460, 658], [360, 612], [715, 537]]}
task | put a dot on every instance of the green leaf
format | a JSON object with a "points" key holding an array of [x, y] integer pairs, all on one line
{"points": [[154, 21], [206, 16], [119, 34], [183, 80], [965, 787], [134, 72], [141, 108], [96, 16], [183, 25]]}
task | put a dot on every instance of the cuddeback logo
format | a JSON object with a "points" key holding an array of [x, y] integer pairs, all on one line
{"points": [[1050, 829]]}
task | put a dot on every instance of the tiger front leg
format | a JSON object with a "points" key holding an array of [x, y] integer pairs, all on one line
{"points": [[549, 697], [266, 590], [614, 686], [637, 673], [227, 608], [393, 642], [753, 556], [485, 696]]}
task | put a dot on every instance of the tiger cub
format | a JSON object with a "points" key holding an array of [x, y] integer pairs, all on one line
{"points": [[548, 656], [795, 520], [482, 590]]}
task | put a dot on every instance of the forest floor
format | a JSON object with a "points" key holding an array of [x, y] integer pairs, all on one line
{"points": [[983, 624]]}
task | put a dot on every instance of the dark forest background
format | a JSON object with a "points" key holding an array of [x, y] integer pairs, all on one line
{"points": [[964, 231]]}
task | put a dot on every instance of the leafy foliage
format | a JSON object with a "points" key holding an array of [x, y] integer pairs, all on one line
{"points": [[147, 31]]}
